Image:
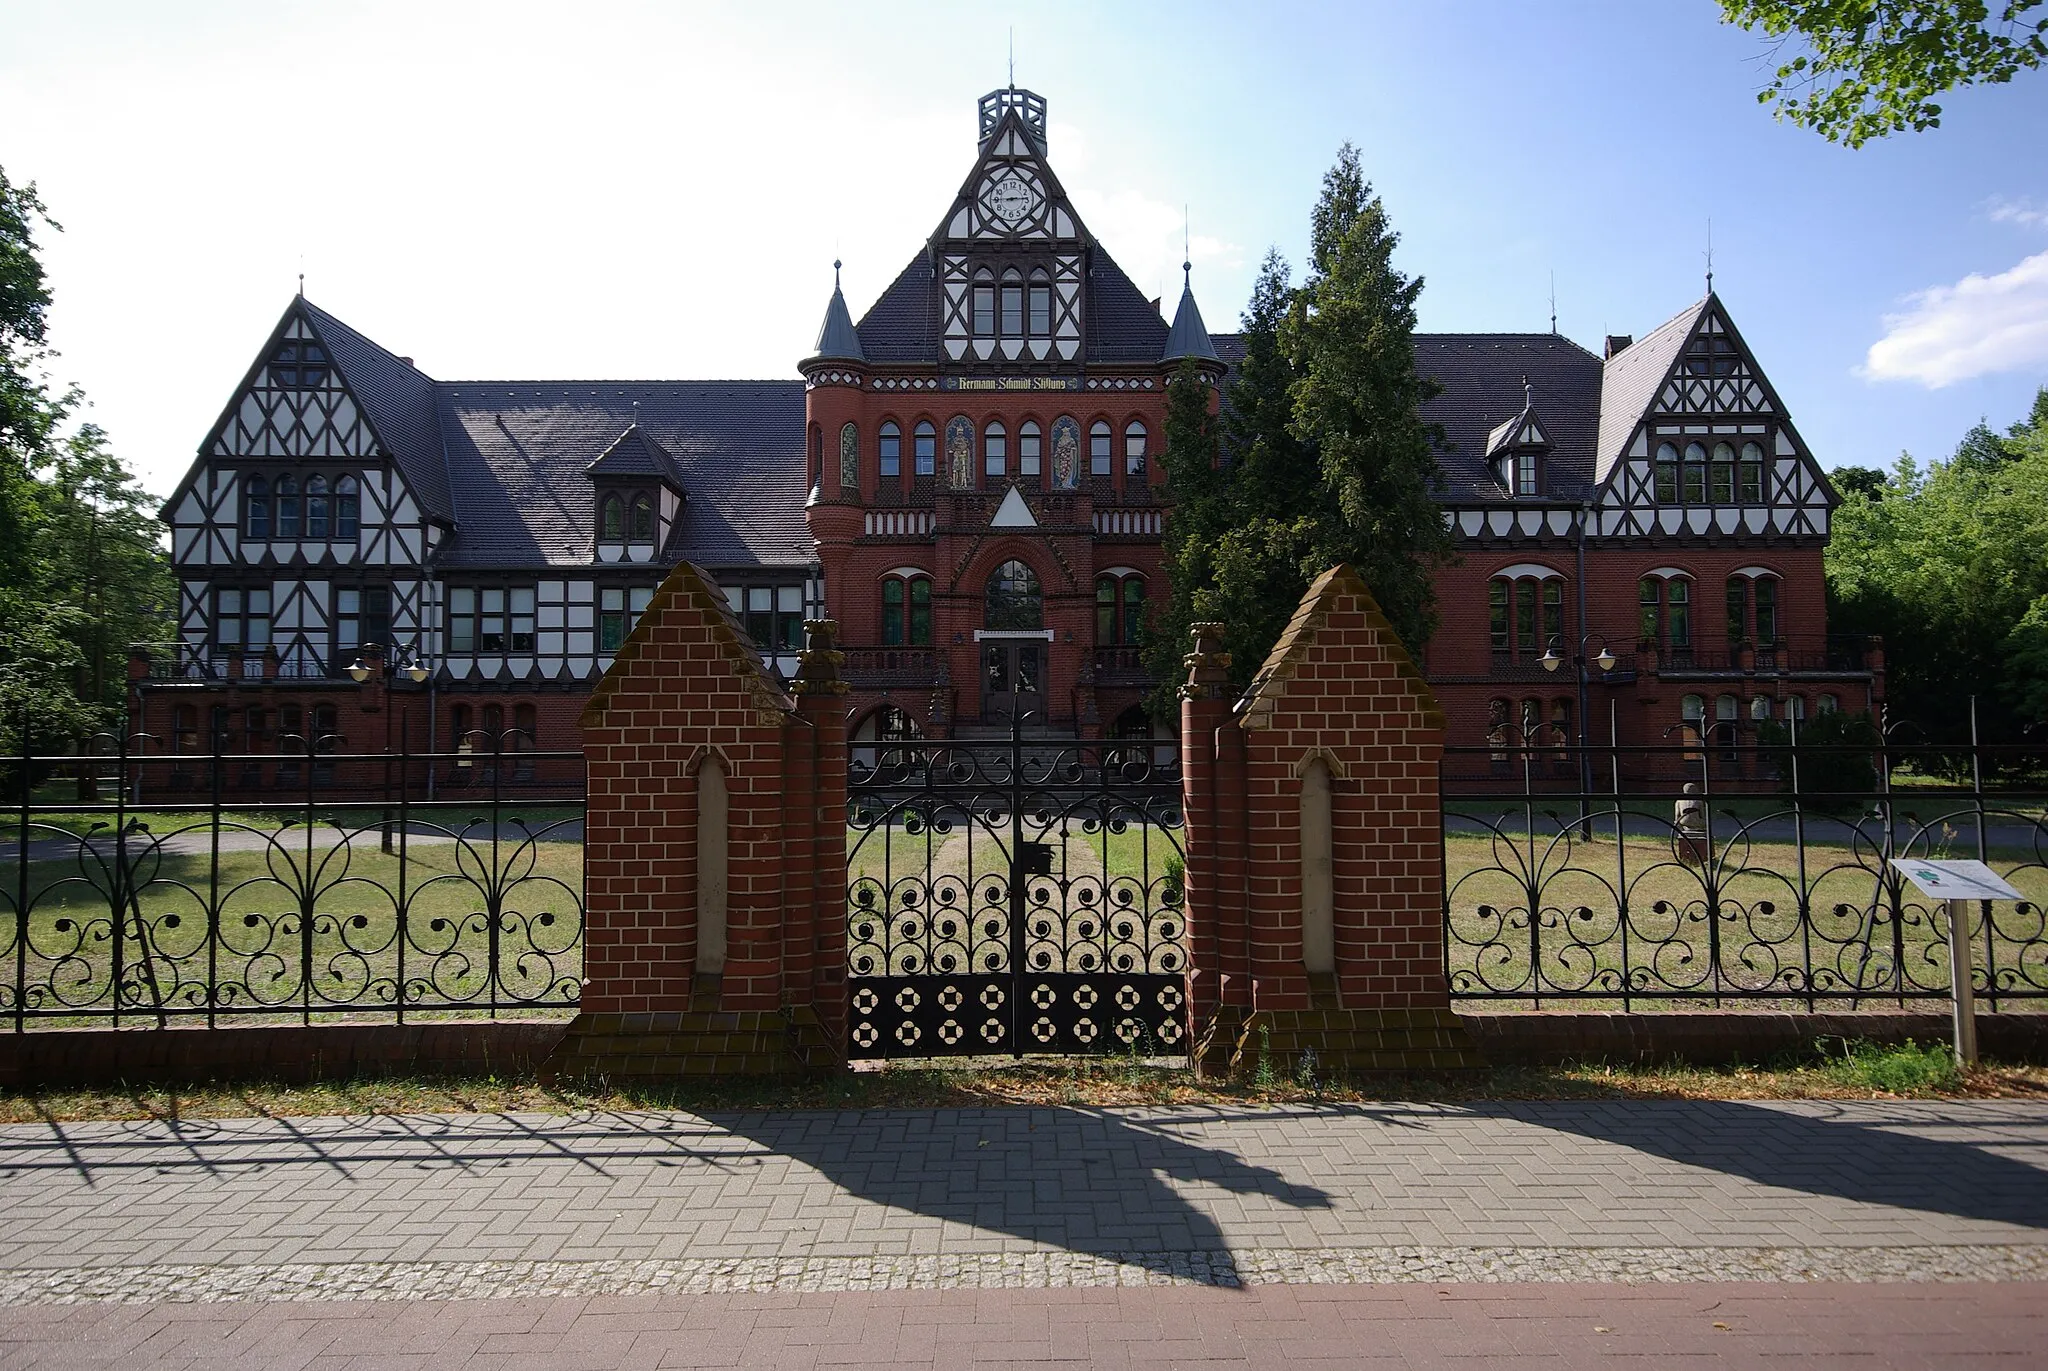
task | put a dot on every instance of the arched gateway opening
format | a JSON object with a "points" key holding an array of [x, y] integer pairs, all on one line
{"points": [[1013, 643]]}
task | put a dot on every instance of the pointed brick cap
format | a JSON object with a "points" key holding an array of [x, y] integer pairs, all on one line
{"points": [[690, 591], [1328, 592]]}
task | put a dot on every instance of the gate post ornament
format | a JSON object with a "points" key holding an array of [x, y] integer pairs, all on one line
{"points": [[1208, 665], [817, 671]]}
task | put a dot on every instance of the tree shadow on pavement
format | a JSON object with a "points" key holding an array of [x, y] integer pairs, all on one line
{"points": [[1090, 1181]]}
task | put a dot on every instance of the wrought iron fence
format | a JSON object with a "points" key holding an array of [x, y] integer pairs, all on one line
{"points": [[334, 885], [1634, 876]]}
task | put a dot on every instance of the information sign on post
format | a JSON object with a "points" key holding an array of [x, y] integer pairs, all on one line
{"points": [[1957, 883]]}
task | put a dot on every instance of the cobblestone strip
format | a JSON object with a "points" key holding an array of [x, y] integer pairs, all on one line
{"points": [[1019, 1271]]}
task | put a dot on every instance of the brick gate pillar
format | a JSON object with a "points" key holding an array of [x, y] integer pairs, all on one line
{"points": [[1329, 763], [705, 859], [1212, 804]]}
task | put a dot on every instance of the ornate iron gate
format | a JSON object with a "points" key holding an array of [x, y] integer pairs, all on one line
{"points": [[1016, 896]]}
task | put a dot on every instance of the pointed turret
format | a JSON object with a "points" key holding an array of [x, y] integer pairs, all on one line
{"points": [[837, 340], [1188, 337]]}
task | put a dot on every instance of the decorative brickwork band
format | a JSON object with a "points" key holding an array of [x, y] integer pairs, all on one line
{"points": [[1315, 892], [714, 851]]}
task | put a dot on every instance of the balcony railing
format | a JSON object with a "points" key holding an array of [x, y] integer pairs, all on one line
{"points": [[883, 667], [208, 662], [1120, 666]]}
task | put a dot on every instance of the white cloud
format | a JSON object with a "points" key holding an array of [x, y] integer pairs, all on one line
{"points": [[2022, 211], [1978, 326]]}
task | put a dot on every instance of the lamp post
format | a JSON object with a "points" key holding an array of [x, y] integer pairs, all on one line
{"points": [[1604, 659], [409, 662]]}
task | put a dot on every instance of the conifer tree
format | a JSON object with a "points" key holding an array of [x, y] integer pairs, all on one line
{"points": [[1358, 399]]}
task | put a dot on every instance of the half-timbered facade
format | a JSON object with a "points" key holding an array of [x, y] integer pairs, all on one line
{"points": [[968, 480]]}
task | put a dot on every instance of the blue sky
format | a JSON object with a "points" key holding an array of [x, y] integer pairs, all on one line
{"points": [[651, 190]]}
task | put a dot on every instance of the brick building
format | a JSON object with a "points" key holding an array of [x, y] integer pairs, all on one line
{"points": [[967, 478]]}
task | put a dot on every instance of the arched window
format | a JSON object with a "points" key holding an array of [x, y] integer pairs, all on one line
{"points": [[995, 450], [1750, 480], [287, 507], [1727, 719], [1692, 719], [906, 610], [1525, 616], [1768, 629], [1721, 480], [1013, 303], [1693, 478], [326, 729], [1098, 448], [1119, 609], [1795, 708], [316, 507], [1134, 448], [1827, 704], [1041, 304], [348, 507], [643, 519], [1667, 474], [889, 451], [1029, 449], [1738, 610], [1500, 729], [1666, 604], [259, 507], [849, 460], [494, 726], [817, 455], [1560, 724], [525, 722], [925, 444], [1014, 600], [612, 522], [984, 305], [892, 725]]}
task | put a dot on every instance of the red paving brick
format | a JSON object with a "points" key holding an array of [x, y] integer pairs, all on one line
{"points": [[1456, 1328]]}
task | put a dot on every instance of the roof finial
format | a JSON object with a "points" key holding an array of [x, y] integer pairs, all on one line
{"points": [[636, 414], [1528, 394], [835, 273], [302, 285], [1013, 57], [1710, 254], [1187, 268], [1553, 303]]}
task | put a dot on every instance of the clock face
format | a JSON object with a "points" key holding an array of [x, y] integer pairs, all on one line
{"points": [[1010, 199]]}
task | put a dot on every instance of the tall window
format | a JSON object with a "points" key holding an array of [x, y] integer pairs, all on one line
{"points": [[362, 618], [1013, 304], [1030, 451], [1119, 610], [258, 517], [643, 519], [1134, 449], [1041, 304], [925, 445], [1666, 610], [1667, 474], [1525, 615], [984, 306], [618, 609], [889, 450], [1738, 609], [287, 506], [1014, 600], [348, 508], [1751, 476], [906, 611], [490, 619], [995, 450], [1098, 448], [316, 507], [1693, 475], [611, 523], [241, 618], [1767, 626]]}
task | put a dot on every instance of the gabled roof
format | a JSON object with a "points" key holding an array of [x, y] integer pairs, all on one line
{"points": [[633, 453], [398, 399], [1630, 379], [518, 450]]}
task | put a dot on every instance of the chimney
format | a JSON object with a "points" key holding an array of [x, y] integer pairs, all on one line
{"points": [[407, 361], [1156, 302], [1616, 343]]}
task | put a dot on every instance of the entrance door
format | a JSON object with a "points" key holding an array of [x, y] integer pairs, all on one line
{"points": [[1012, 678]]}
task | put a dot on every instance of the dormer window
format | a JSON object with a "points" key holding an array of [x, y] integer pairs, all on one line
{"points": [[643, 519], [1520, 473], [611, 526]]}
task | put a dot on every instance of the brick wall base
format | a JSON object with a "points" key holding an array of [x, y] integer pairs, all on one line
{"points": [[1419, 1039], [694, 1044], [291, 1054], [1723, 1037]]}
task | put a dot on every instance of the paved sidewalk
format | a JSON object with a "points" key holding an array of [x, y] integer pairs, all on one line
{"points": [[512, 1205]]}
